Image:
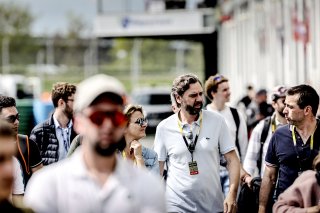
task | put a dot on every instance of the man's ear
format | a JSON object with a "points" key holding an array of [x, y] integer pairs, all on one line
{"points": [[60, 102], [178, 99], [212, 94], [307, 110]]}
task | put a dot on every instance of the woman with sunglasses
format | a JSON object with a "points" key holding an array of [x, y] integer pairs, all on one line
{"points": [[136, 129]]}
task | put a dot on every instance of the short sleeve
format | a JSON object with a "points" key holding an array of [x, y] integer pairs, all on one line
{"points": [[159, 145], [226, 144], [271, 158], [35, 158]]}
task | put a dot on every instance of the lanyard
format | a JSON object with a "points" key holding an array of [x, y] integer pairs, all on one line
{"points": [[123, 153], [66, 140], [295, 145], [192, 146], [273, 124], [295, 139]]}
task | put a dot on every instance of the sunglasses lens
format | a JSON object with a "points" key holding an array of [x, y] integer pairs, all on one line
{"points": [[117, 118], [12, 118], [141, 121], [97, 117]]}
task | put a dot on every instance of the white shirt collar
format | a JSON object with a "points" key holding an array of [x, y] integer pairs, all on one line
{"points": [[57, 124]]}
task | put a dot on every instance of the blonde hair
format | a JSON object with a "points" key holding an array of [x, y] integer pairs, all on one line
{"points": [[212, 83], [130, 109]]}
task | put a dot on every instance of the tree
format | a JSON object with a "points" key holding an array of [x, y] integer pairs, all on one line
{"points": [[14, 20], [76, 26]]}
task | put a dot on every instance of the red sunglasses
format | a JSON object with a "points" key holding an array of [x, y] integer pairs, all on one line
{"points": [[117, 117]]}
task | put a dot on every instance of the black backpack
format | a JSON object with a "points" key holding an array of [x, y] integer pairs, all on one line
{"points": [[236, 119], [248, 200]]}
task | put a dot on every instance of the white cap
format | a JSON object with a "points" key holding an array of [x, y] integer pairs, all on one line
{"points": [[89, 89]]}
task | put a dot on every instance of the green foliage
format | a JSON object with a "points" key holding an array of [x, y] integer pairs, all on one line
{"points": [[76, 26], [157, 62], [14, 20]]}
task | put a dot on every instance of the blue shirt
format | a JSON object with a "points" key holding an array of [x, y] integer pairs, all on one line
{"points": [[283, 154]]}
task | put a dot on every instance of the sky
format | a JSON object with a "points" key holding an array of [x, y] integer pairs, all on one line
{"points": [[50, 16]]}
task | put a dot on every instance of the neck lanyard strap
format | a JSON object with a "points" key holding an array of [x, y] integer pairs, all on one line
{"points": [[295, 145], [66, 140], [295, 139], [273, 124], [192, 146]]}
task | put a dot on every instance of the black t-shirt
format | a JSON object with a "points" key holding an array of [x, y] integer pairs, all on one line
{"points": [[283, 154], [28, 158]]}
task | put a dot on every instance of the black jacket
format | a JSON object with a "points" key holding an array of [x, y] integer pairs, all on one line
{"points": [[44, 134]]}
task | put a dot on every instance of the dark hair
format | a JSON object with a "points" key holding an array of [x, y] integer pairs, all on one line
{"points": [[316, 162], [6, 129], [249, 87], [212, 83], [307, 97], [6, 101], [182, 83], [62, 90]]}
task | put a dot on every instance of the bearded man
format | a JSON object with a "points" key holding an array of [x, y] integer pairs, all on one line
{"points": [[190, 142], [53, 136]]}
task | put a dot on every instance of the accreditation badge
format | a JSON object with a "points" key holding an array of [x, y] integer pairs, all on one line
{"points": [[193, 167]]}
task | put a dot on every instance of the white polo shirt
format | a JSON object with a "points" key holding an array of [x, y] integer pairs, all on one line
{"points": [[201, 192], [67, 187]]}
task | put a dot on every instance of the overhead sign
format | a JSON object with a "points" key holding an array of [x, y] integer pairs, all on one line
{"points": [[178, 22]]}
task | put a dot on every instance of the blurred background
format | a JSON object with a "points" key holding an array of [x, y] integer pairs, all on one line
{"points": [[147, 43]]}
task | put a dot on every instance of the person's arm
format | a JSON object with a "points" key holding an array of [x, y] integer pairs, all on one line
{"points": [[137, 152], [160, 149], [267, 186], [233, 166], [76, 142], [35, 157], [301, 197], [161, 166], [245, 177], [253, 152], [17, 200]]}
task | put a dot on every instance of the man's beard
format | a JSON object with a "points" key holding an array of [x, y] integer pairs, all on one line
{"points": [[192, 110], [281, 113], [111, 149], [68, 112]]}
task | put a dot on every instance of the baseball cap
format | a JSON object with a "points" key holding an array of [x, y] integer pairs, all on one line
{"points": [[278, 92], [89, 89]]}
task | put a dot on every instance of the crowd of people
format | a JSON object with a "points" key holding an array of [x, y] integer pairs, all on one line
{"points": [[88, 157]]}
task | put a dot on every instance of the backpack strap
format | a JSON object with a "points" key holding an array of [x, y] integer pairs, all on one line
{"points": [[236, 119], [24, 150], [264, 135]]}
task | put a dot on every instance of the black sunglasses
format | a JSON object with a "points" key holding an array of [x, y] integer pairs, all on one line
{"points": [[12, 118], [141, 121]]}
